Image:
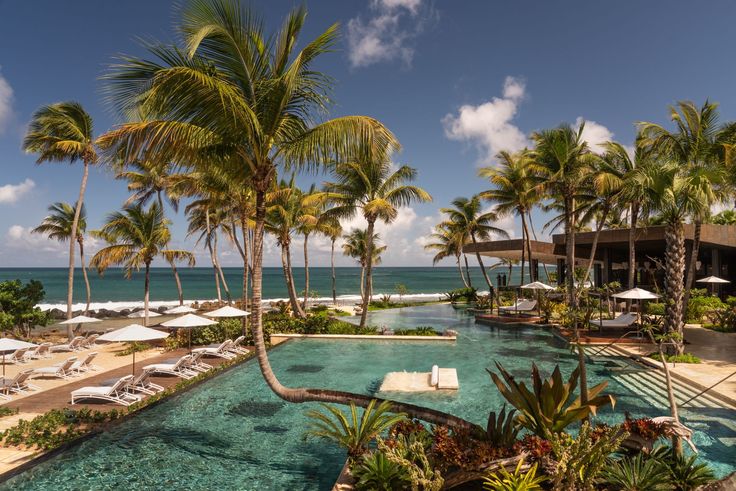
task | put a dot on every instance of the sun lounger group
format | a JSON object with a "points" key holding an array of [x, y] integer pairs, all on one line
{"points": [[623, 320], [68, 368], [520, 305]]}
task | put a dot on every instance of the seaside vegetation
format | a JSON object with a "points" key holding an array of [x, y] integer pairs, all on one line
{"points": [[18, 311]]}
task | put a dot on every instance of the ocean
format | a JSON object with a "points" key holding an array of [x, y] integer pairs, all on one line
{"points": [[114, 291]]}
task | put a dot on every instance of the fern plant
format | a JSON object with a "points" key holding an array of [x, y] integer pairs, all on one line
{"points": [[352, 431], [519, 480]]}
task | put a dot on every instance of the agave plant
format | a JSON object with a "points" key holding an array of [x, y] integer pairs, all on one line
{"points": [[351, 431], [637, 474], [376, 472], [551, 405], [686, 473], [502, 430], [519, 480]]}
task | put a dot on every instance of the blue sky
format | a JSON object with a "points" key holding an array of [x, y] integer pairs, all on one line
{"points": [[456, 82]]}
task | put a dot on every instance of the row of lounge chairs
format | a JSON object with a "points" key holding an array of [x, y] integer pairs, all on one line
{"points": [[129, 389], [623, 320], [45, 350], [65, 370]]}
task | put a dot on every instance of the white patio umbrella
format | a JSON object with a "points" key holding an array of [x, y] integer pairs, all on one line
{"points": [[8, 345], [189, 321], [140, 314], [181, 309], [227, 311], [539, 286], [636, 294], [80, 319], [131, 334], [712, 281]]}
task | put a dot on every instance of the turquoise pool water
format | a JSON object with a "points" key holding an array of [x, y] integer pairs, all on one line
{"points": [[231, 432]]}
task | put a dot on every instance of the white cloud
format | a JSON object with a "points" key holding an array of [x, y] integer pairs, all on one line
{"points": [[595, 134], [387, 34], [11, 193], [490, 124], [6, 103], [19, 238]]}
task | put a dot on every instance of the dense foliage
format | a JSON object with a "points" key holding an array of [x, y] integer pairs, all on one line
{"points": [[18, 311]]}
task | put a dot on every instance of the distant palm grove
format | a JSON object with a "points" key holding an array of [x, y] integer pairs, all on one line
{"points": [[221, 122]]}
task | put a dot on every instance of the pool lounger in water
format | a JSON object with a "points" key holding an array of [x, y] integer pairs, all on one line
{"points": [[437, 379]]}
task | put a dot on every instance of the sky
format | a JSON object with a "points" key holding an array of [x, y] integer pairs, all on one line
{"points": [[455, 81]]}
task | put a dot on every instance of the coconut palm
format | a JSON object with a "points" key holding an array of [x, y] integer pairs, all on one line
{"points": [[64, 132], [58, 226], [309, 222], [332, 230], [675, 195], [696, 144], [374, 189], [446, 244], [725, 217], [564, 160], [356, 246], [471, 224], [234, 98], [147, 181], [515, 190], [207, 216], [136, 237]]}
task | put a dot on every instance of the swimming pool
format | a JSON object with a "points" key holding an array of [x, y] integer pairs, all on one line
{"points": [[231, 432]]}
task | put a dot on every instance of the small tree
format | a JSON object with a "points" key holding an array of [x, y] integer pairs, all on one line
{"points": [[18, 311], [401, 290]]}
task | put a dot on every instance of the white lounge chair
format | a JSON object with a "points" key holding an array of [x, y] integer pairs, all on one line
{"points": [[73, 345], [181, 368], [89, 341], [18, 384], [40, 351], [18, 356], [142, 384], [86, 364], [623, 320], [521, 305], [196, 364], [116, 393], [237, 346], [62, 370], [220, 350]]}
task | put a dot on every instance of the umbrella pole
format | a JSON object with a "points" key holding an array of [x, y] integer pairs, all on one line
{"points": [[3, 364], [133, 359], [190, 340]]}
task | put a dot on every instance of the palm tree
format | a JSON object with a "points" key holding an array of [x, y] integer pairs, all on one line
{"points": [[206, 217], [356, 246], [136, 237], [372, 188], [726, 217], [58, 226], [471, 224], [333, 231], [238, 100], [284, 216], [309, 221], [63, 132], [563, 157], [515, 181], [446, 244], [152, 180], [676, 195], [696, 144]]}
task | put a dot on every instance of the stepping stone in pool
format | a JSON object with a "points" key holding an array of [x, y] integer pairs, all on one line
{"points": [[305, 368], [256, 409]]}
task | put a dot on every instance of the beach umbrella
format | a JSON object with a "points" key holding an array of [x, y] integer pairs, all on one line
{"points": [[189, 321], [8, 345], [131, 334], [181, 309], [139, 314], [537, 285], [227, 311], [636, 294], [712, 281], [80, 319]]}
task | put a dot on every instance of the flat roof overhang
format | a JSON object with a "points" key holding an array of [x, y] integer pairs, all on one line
{"points": [[722, 236], [511, 249]]}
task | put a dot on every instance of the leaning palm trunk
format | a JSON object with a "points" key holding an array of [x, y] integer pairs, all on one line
{"points": [[690, 276], [523, 257], [300, 395], [362, 282], [368, 272], [80, 240], [460, 270], [467, 271], [208, 242], [244, 230], [332, 265], [177, 280], [526, 242], [632, 244], [482, 267], [289, 277], [306, 272], [72, 241], [534, 234], [674, 283]]}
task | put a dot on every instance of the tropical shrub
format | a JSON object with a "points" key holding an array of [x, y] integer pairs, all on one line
{"points": [[519, 480], [655, 308], [537, 447], [456, 448], [7, 411], [699, 306], [635, 474], [462, 295], [417, 331], [683, 358], [550, 406], [686, 473], [501, 430], [351, 431], [410, 453], [646, 428], [376, 472], [224, 329], [578, 461], [723, 320], [18, 311]]}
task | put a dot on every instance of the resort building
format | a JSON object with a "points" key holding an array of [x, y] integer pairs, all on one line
{"points": [[716, 257]]}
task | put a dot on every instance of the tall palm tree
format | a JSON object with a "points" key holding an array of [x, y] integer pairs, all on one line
{"points": [[372, 188], [467, 219], [675, 195], [152, 180], [564, 158], [207, 217], [725, 217], [235, 98], [309, 222], [446, 244], [58, 226], [515, 190], [331, 229], [136, 237], [696, 144], [284, 216], [64, 132], [356, 246]]}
